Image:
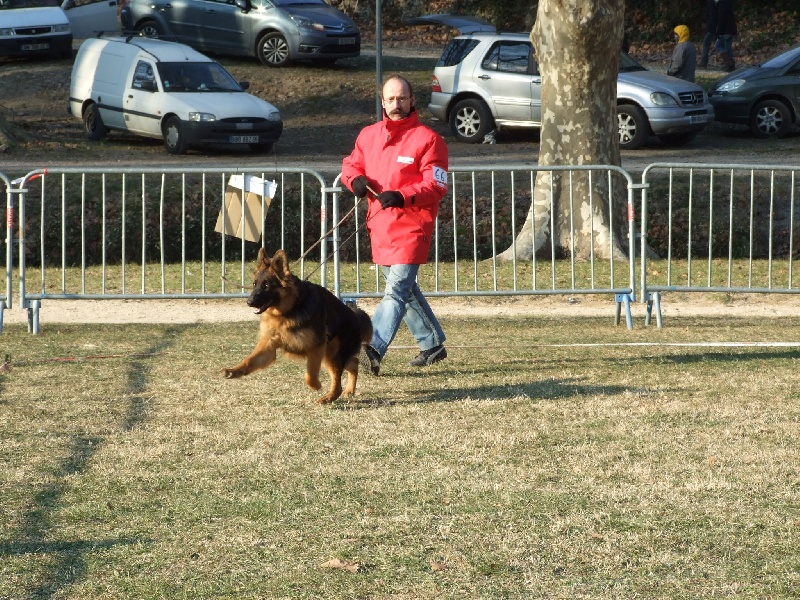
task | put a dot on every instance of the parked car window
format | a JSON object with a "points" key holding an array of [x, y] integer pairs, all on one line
{"points": [[780, 61], [290, 2], [629, 65], [509, 57], [143, 75], [9, 4], [75, 3], [456, 51]]}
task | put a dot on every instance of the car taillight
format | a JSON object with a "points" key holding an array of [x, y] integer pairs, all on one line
{"points": [[435, 87]]}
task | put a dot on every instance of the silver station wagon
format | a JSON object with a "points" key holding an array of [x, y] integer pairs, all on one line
{"points": [[486, 81]]}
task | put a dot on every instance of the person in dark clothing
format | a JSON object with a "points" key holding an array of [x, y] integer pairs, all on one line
{"points": [[726, 30], [711, 31]]}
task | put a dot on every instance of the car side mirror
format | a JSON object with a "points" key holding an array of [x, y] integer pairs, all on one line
{"points": [[245, 85], [244, 5]]}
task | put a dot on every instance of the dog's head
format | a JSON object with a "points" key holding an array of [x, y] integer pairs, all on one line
{"points": [[273, 284]]}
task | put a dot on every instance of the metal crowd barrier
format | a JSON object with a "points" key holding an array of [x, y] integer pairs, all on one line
{"points": [[467, 244], [97, 233], [728, 229], [5, 296]]}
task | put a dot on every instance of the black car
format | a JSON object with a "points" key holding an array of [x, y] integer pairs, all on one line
{"points": [[765, 97]]}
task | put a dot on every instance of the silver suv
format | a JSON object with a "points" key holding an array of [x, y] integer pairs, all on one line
{"points": [[486, 81]]}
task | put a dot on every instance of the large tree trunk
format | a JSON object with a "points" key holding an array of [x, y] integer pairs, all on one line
{"points": [[577, 45]]}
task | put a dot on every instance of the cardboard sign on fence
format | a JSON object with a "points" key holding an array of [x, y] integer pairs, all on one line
{"points": [[245, 218]]}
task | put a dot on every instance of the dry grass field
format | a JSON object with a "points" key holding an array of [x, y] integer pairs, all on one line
{"points": [[548, 456]]}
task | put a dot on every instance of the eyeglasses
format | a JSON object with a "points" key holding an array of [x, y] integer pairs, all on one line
{"points": [[400, 99]]}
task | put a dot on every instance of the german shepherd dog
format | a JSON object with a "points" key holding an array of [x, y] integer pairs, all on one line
{"points": [[304, 320]]}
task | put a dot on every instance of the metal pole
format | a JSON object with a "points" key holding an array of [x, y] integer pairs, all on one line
{"points": [[378, 59]]}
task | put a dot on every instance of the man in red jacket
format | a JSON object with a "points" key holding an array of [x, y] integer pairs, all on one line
{"points": [[401, 167]]}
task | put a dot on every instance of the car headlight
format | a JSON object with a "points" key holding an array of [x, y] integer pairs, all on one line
{"points": [[274, 116], [304, 23], [6, 32], [61, 28], [662, 99], [201, 117], [730, 86]]}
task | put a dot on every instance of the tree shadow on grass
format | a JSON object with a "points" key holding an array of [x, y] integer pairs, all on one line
{"points": [[544, 390], [722, 357], [36, 533]]}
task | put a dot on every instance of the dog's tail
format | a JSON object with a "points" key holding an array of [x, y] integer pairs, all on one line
{"points": [[364, 324]]}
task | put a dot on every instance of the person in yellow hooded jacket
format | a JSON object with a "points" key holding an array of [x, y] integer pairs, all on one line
{"points": [[684, 56]]}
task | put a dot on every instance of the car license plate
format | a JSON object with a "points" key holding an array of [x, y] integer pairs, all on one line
{"points": [[698, 119], [243, 139], [346, 41], [29, 47]]}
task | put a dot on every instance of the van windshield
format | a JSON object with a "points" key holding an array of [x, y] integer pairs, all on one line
{"points": [[196, 77], [11, 4]]}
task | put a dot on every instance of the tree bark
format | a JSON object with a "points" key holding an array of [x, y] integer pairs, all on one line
{"points": [[577, 43]]}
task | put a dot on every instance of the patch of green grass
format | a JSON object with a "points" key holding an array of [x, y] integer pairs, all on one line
{"points": [[534, 461]]}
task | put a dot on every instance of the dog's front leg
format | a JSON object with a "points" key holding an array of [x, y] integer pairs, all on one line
{"points": [[262, 356], [313, 363], [351, 368]]}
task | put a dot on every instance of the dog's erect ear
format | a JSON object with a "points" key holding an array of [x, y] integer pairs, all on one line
{"points": [[280, 264], [263, 259]]}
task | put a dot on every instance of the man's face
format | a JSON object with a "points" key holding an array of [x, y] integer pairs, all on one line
{"points": [[397, 101]]}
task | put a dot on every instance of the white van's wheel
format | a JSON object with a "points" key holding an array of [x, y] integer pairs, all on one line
{"points": [[174, 140], [93, 123]]}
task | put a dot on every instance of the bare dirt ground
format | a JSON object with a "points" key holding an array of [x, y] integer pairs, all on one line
{"points": [[674, 306], [323, 110]]}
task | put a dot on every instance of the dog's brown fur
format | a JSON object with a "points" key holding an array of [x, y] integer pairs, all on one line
{"points": [[304, 320]]}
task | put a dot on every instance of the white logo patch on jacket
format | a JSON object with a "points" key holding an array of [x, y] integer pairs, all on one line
{"points": [[406, 160]]}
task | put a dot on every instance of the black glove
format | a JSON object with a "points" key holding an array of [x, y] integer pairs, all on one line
{"points": [[391, 198], [359, 186]]}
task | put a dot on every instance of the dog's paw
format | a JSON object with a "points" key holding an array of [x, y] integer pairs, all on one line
{"points": [[232, 373], [313, 382]]}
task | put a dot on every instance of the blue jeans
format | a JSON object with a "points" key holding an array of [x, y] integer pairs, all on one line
{"points": [[403, 301], [709, 39], [725, 43]]}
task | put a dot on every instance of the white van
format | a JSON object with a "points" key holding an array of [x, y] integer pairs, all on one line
{"points": [[165, 90], [34, 27]]}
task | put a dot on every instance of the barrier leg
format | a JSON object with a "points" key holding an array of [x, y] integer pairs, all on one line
{"points": [[648, 315], [33, 317], [2, 312], [626, 300], [659, 320]]}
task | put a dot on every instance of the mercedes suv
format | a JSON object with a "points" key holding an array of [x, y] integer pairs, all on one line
{"points": [[486, 81]]}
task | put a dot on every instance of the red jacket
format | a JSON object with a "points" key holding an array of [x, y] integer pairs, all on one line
{"points": [[410, 158]]}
